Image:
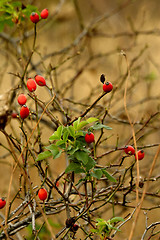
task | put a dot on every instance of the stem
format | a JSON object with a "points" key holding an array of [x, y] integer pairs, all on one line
{"points": [[33, 49]]}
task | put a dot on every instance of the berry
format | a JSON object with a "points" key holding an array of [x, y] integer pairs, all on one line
{"points": [[2, 203], [102, 78], [57, 184], [22, 99], [89, 137], [34, 17], [42, 194], [40, 80], [31, 85], [140, 154], [107, 87], [75, 227], [24, 112], [44, 13], [70, 222], [14, 115], [129, 150]]}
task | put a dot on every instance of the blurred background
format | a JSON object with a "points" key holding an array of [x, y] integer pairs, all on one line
{"points": [[77, 43]]}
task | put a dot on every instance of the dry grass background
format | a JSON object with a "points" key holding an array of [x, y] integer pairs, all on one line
{"points": [[133, 29]]}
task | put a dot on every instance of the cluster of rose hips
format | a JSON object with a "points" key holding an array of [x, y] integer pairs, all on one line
{"points": [[31, 85], [35, 17], [131, 151]]}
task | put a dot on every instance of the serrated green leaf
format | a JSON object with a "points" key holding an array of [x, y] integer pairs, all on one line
{"points": [[43, 155], [54, 150], [90, 164], [72, 150], [112, 179], [72, 167], [82, 156], [98, 126], [97, 173], [92, 119]]}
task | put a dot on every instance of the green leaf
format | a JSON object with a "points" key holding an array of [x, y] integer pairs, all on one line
{"points": [[71, 131], [82, 124], [65, 135], [43, 155], [90, 164], [57, 134], [54, 136], [116, 219], [59, 131], [74, 167], [97, 173], [54, 150], [72, 150], [79, 134], [112, 179], [17, 4], [92, 119], [82, 156], [98, 126], [60, 142], [2, 25]]}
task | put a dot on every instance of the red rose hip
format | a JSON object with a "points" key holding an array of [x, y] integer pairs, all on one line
{"points": [[44, 13], [24, 112], [34, 17], [140, 154], [2, 203], [42, 194], [129, 150], [31, 85], [89, 137], [22, 99], [40, 80], [107, 87]]}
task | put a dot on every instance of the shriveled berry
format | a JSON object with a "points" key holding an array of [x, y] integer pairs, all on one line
{"points": [[129, 150], [31, 85], [2, 203], [40, 80], [75, 227], [89, 137], [102, 78], [34, 17], [22, 99], [14, 115], [140, 154], [24, 112], [42, 194], [44, 13], [107, 87], [70, 222]]}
